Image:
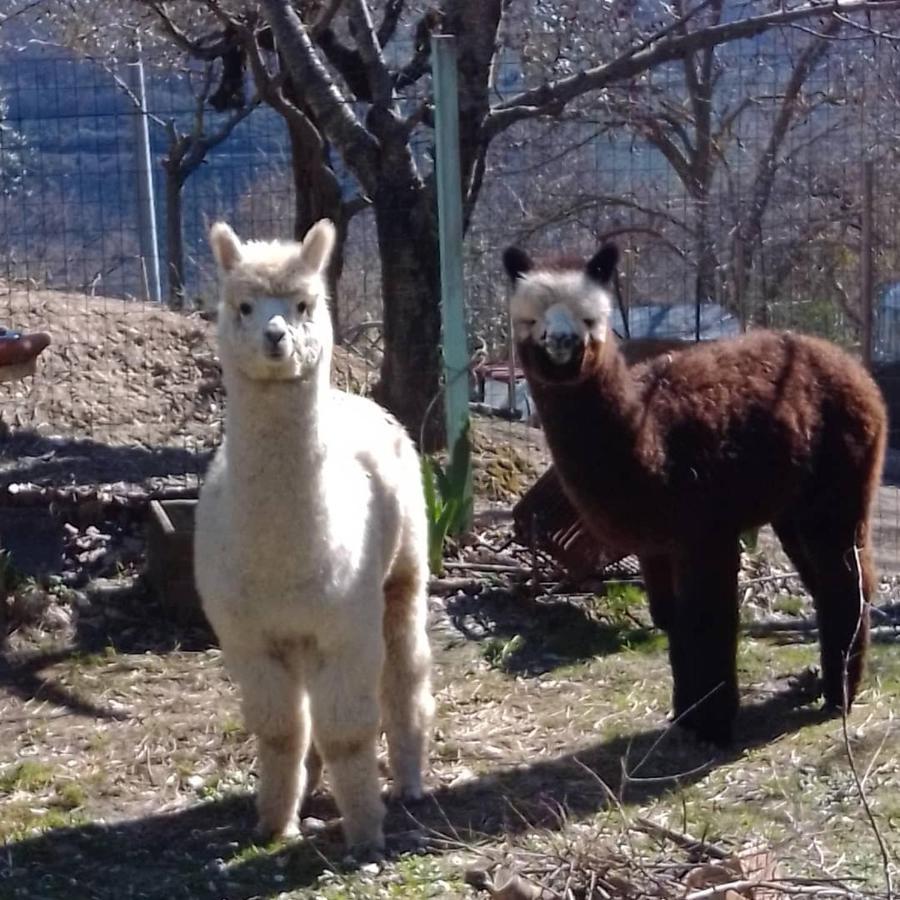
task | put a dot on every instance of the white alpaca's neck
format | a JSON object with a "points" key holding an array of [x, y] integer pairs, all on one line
{"points": [[275, 436]]}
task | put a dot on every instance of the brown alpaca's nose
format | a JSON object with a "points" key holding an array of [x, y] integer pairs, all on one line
{"points": [[560, 346]]}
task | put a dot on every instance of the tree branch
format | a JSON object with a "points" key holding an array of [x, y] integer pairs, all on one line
{"points": [[376, 69], [660, 48], [327, 16], [206, 48], [393, 9], [420, 64], [348, 64], [767, 166], [335, 117]]}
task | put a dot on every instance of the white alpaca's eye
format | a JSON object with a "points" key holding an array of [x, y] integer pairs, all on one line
{"points": [[245, 309], [590, 323], [302, 307]]}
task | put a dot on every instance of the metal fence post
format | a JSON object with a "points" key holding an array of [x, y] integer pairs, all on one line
{"points": [[147, 232], [450, 234]]}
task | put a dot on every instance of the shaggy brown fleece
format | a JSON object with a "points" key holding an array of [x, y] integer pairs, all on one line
{"points": [[673, 459]]}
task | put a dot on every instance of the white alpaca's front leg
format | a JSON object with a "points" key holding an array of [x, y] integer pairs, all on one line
{"points": [[276, 710], [344, 703]]}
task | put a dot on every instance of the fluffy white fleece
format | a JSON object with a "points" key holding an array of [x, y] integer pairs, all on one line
{"points": [[311, 548]]}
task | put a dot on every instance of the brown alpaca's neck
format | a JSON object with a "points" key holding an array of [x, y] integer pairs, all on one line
{"points": [[598, 425]]}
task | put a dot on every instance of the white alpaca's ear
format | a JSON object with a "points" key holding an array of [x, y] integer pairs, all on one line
{"points": [[315, 251], [226, 246]]}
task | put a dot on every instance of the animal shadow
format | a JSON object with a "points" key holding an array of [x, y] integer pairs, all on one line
{"points": [[520, 635]]}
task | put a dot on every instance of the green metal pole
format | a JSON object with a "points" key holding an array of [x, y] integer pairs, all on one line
{"points": [[450, 233]]}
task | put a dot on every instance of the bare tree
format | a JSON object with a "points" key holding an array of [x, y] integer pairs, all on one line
{"points": [[186, 152], [362, 106]]}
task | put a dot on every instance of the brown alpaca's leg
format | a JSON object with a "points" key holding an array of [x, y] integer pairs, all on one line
{"points": [[406, 702], [703, 640], [660, 587], [841, 594]]}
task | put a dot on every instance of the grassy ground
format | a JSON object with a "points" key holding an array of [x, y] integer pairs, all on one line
{"points": [[125, 772]]}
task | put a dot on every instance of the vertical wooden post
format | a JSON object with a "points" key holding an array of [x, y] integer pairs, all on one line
{"points": [[867, 261], [450, 235]]}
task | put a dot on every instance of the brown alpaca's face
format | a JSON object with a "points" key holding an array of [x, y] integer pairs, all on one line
{"points": [[560, 316]]}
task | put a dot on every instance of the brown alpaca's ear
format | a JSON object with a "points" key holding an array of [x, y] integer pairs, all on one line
{"points": [[516, 262], [602, 264]]}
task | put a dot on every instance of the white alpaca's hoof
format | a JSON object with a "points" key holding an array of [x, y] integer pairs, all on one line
{"points": [[409, 794], [268, 832]]}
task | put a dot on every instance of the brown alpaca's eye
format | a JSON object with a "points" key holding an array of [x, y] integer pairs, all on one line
{"points": [[528, 322], [245, 309], [301, 307]]}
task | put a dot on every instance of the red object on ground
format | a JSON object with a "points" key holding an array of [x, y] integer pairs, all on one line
{"points": [[16, 348]]}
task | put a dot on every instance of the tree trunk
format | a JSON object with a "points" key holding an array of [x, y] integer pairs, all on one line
{"points": [[410, 382], [317, 195], [175, 237], [707, 265]]}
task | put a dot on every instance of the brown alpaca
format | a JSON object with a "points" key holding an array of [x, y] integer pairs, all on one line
{"points": [[674, 458]]}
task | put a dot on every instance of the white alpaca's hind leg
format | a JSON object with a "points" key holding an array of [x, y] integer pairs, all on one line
{"points": [[344, 705], [406, 700], [276, 710]]}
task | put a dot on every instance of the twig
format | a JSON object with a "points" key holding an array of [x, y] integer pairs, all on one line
{"points": [[772, 626], [685, 841], [783, 887], [628, 776], [848, 748], [486, 567], [762, 579]]}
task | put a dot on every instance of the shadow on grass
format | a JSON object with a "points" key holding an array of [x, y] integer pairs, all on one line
{"points": [[522, 636], [123, 620], [205, 851]]}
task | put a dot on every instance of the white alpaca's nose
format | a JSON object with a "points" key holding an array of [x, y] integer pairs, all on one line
{"points": [[276, 336]]}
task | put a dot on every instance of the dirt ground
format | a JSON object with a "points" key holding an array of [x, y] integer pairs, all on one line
{"points": [[125, 771]]}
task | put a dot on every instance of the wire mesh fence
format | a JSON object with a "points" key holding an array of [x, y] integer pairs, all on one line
{"points": [[737, 200]]}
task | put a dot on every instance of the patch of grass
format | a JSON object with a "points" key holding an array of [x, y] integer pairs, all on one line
{"points": [[498, 652], [252, 852], [789, 604], [233, 728], [21, 819], [97, 740], [93, 660], [11, 578], [212, 788], [30, 775], [409, 878], [71, 795]]}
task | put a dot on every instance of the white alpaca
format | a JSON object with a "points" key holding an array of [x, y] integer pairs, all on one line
{"points": [[311, 548]]}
